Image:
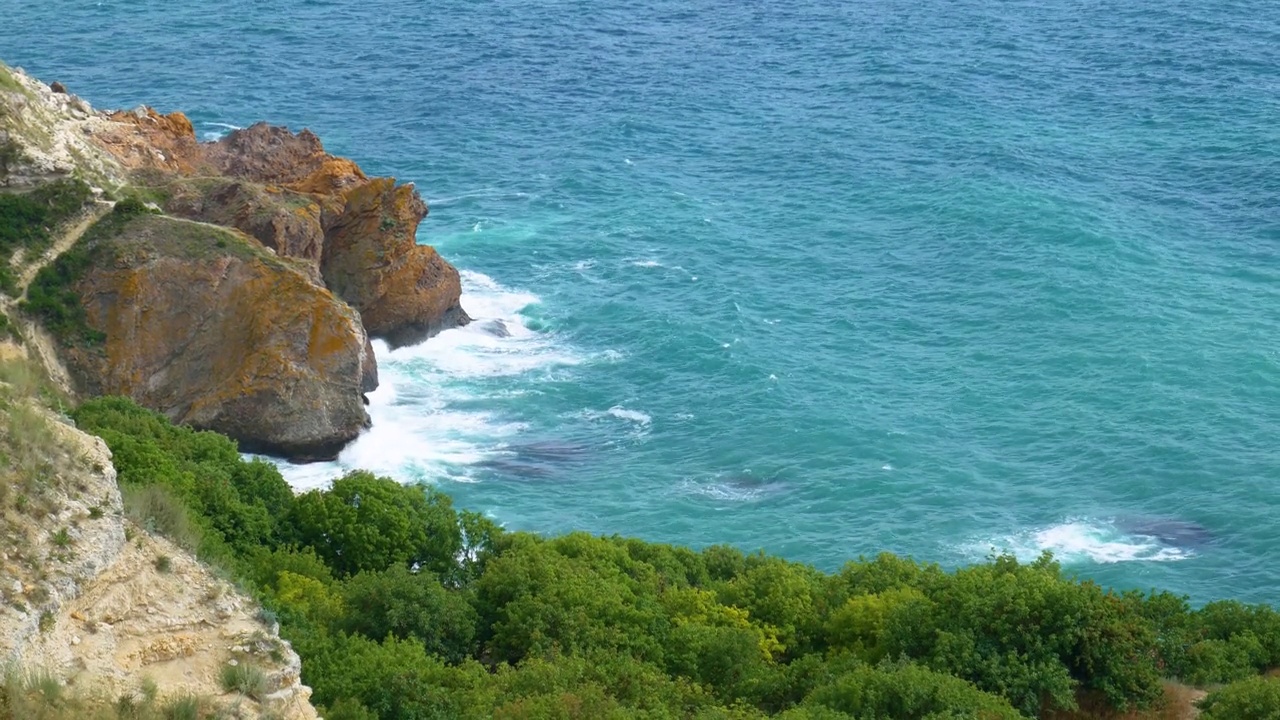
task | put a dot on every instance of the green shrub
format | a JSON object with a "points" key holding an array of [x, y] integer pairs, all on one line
{"points": [[403, 608], [8, 328], [52, 299], [1256, 698], [245, 679], [407, 605], [156, 509], [51, 296], [185, 708], [347, 709], [370, 523], [909, 692]]}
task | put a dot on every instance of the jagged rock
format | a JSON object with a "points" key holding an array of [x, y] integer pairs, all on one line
{"points": [[204, 326], [286, 191], [405, 292], [272, 155], [49, 135], [285, 221], [257, 338], [143, 139]]}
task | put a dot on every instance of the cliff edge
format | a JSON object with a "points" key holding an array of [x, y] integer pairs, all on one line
{"points": [[97, 605], [235, 285]]}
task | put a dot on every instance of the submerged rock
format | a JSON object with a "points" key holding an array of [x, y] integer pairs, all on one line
{"points": [[1170, 531]]}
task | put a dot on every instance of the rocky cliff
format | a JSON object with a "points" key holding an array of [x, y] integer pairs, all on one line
{"points": [[358, 235], [95, 601], [209, 328], [248, 309]]}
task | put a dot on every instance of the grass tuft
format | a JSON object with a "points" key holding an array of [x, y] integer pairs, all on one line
{"points": [[245, 679]]}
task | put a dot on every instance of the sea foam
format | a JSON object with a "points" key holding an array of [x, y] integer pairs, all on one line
{"points": [[420, 430], [1080, 540]]}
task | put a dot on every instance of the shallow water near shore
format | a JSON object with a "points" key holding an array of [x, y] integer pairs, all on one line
{"points": [[825, 279]]}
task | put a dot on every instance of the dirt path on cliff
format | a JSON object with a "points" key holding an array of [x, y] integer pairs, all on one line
{"points": [[64, 243], [38, 344]]}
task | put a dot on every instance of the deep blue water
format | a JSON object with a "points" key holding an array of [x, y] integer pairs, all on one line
{"points": [[824, 279]]}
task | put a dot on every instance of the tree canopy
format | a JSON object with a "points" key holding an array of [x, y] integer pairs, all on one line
{"points": [[403, 607]]}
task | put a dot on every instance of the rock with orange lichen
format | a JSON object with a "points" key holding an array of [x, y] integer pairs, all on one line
{"points": [[405, 292], [144, 139], [286, 221], [204, 325], [285, 190]]}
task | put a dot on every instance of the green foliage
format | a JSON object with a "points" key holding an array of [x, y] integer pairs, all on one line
{"points": [[245, 679], [369, 523], [233, 505], [393, 678], [52, 298], [184, 708], [9, 329], [27, 220], [534, 599], [157, 510], [909, 692], [403, 608], [781, 594], [347, 709], [1256, 698], [131, 206], [41, 696], [1026, 632], [407, 604]]}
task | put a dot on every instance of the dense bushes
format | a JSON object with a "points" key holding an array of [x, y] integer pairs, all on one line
{"points": [[402, 607], [1253, 699]]}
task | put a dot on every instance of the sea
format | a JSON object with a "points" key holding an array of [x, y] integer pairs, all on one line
{"points": [[946, 278]]}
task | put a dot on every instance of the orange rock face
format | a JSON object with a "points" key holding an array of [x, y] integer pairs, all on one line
{"points": [[285, 190], [146, 140], [404, 291], [285, 221], [218, 334]]}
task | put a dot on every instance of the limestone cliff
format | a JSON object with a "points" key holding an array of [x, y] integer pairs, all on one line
{"points": [[95, 601]]}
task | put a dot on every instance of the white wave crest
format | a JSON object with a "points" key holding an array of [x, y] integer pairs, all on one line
{"points": [[498, 342], [634, 416], [220, 130], [1082, 540]]}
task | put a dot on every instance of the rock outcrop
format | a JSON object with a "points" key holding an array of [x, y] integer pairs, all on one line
{"points": [[405, 292], [205, 326], [359, 234], [260, 329], [47, 135]]}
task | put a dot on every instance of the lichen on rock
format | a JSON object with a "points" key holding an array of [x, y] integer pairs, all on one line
{"points": [[359, 234], [203, 325]]}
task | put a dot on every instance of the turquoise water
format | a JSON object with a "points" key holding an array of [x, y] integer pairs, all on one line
{"points": [[824, 279]]}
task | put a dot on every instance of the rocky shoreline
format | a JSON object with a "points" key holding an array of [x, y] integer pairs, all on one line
{"points": [[238, 283]]}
